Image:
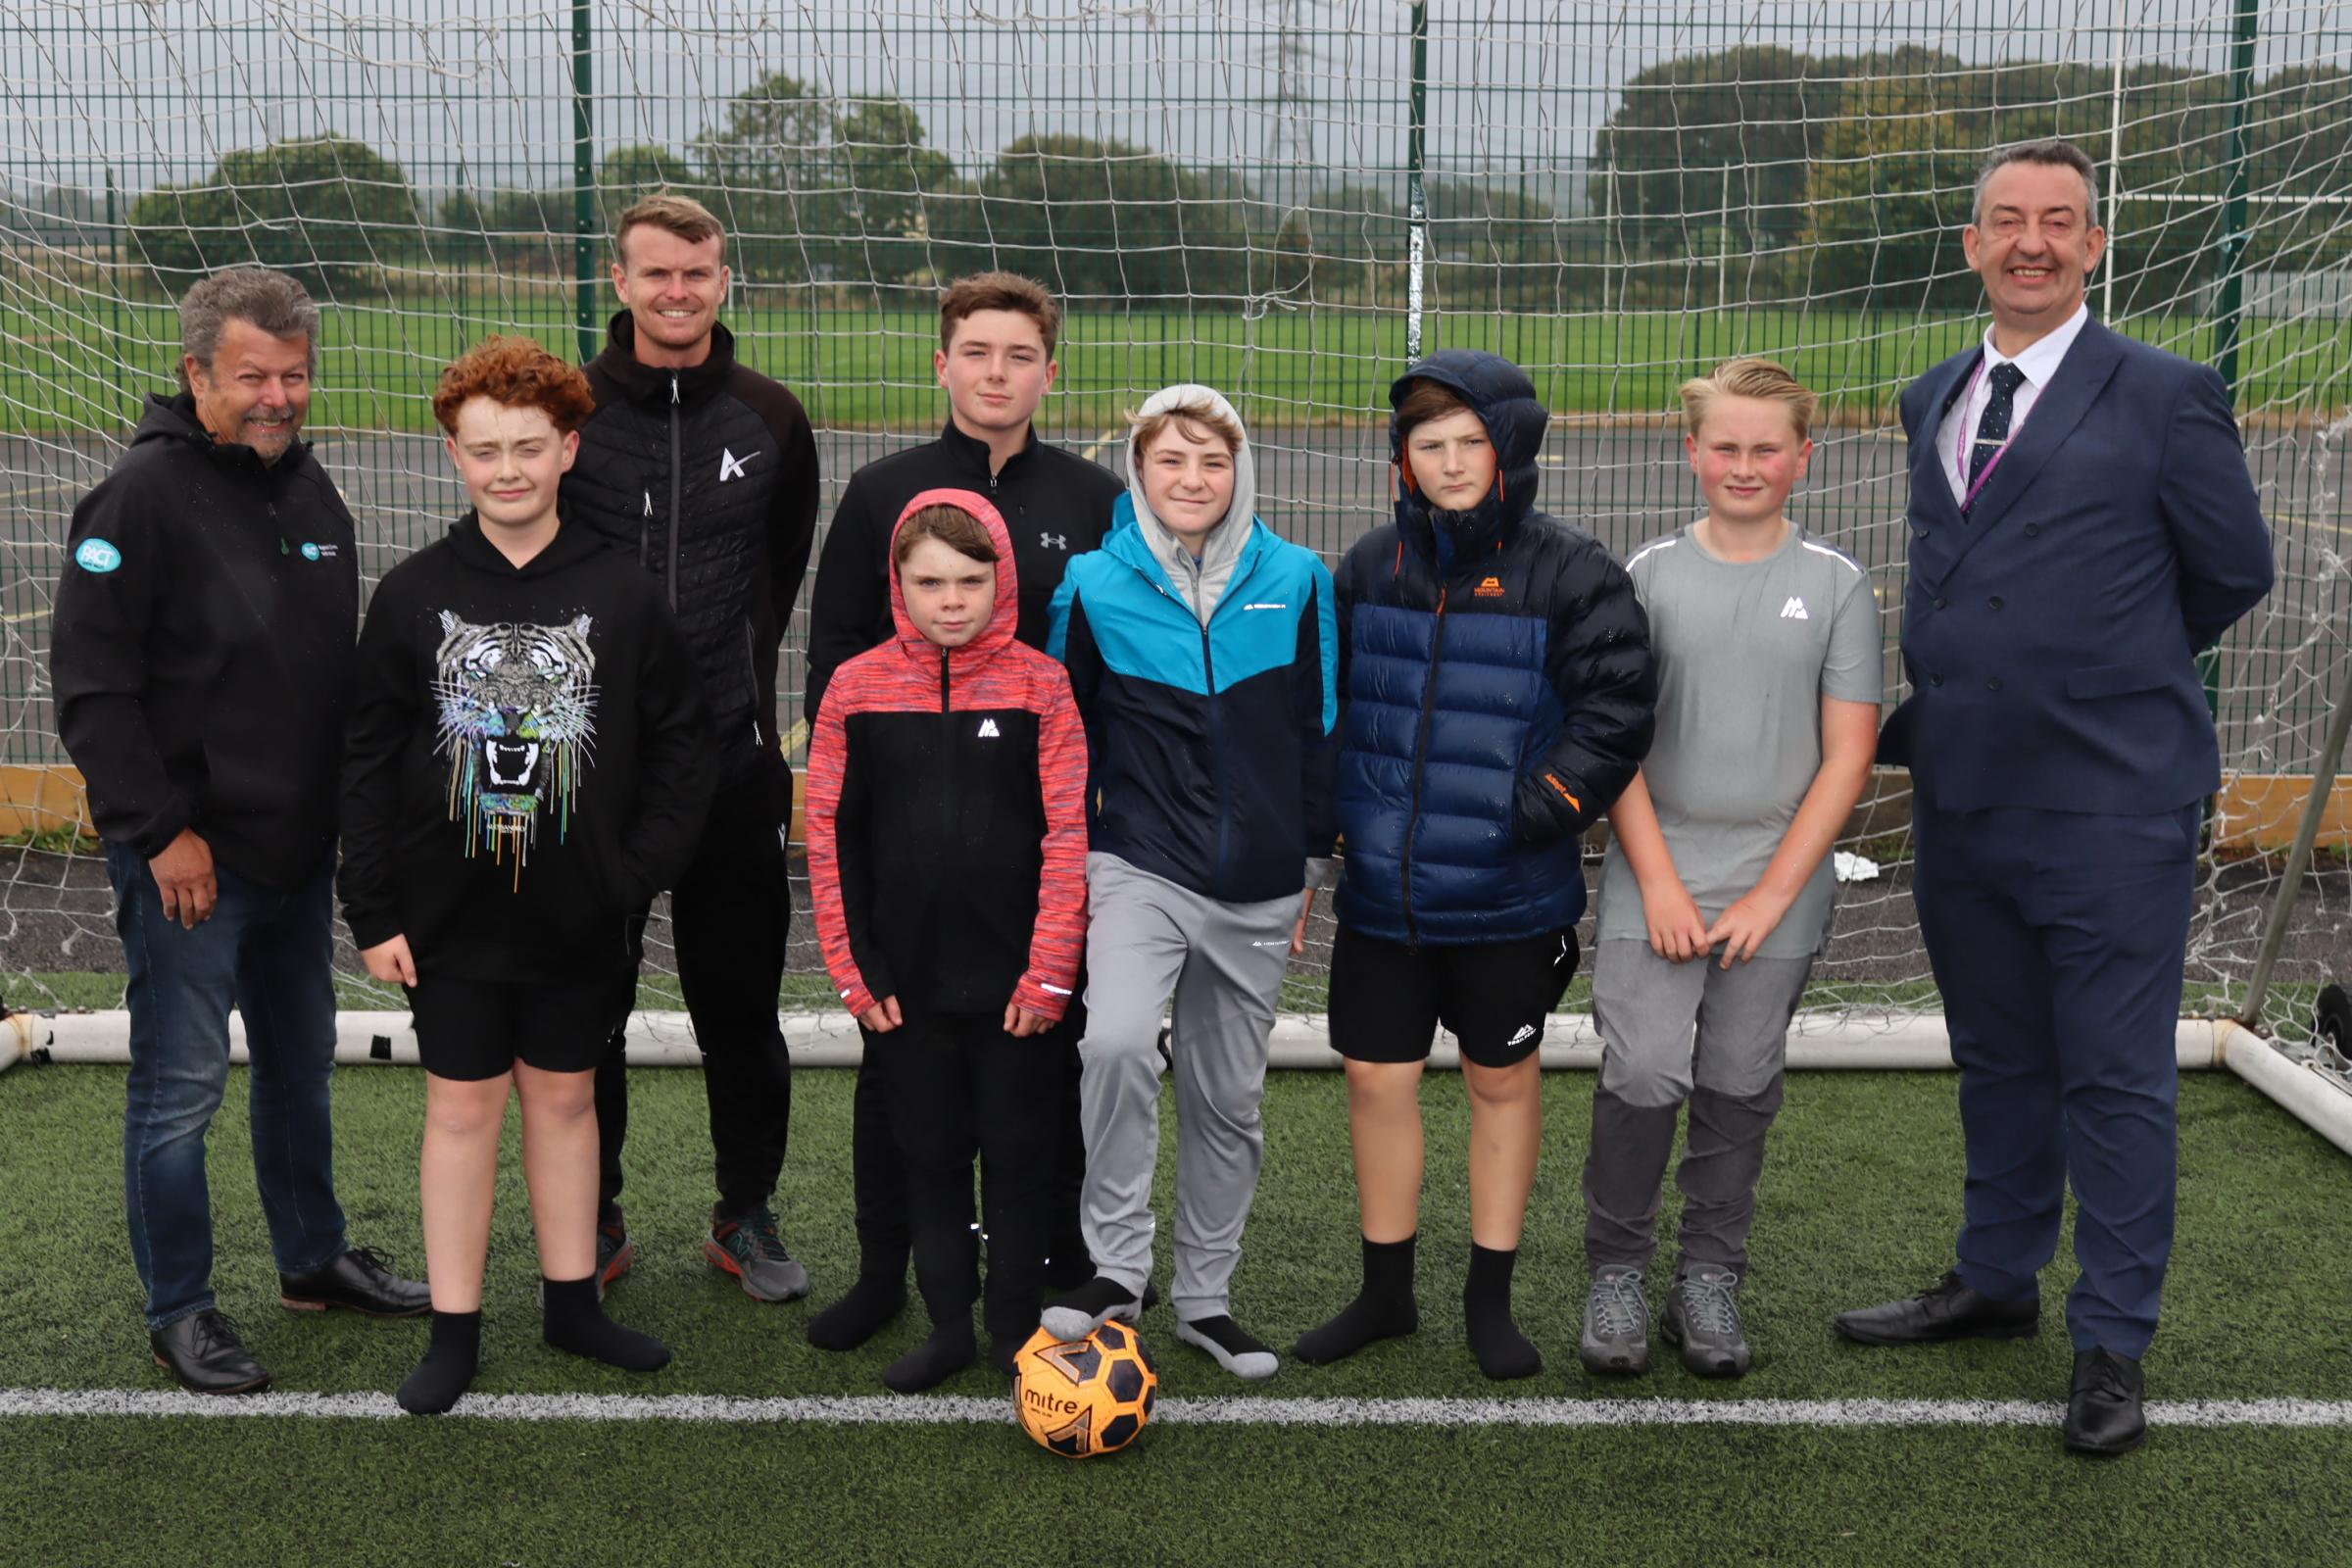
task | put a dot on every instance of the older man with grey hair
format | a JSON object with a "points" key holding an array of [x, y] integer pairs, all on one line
{"points": [[202, 657]]}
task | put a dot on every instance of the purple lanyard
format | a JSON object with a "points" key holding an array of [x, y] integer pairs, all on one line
{"points": [[1968, 442]]}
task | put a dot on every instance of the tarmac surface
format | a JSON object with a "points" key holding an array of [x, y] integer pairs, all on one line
{"points": [[1325, 487]]}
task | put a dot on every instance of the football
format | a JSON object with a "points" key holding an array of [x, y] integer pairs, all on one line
{"points": [[1081, 1397]]}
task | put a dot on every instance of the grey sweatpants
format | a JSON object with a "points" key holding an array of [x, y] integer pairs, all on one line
{"points": [[1148, 939], [1675, 1032]]}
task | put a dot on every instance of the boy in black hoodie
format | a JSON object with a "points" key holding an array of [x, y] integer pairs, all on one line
{"points": [[528, 762]]}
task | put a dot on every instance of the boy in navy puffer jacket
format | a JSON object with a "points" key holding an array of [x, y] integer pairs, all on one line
{"points": [[1498, 689]]}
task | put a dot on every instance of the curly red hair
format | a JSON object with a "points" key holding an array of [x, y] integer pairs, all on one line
{"points": [[518, 372]]}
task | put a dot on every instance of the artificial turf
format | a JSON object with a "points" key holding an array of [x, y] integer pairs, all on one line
{"points": [[1860, 1201]]}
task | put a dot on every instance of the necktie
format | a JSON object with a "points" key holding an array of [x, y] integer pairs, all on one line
{"points": [[1992, 432]]}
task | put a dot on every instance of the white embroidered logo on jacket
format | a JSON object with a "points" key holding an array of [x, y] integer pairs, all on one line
{"points": [[987, 730], [730, 466]]}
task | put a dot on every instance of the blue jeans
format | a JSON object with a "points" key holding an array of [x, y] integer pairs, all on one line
{"points": [[271, 955]]}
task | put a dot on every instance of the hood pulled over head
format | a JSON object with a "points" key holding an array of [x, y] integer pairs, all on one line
{"points": [[1004, 617]]}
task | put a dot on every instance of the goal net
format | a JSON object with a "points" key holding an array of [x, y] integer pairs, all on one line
{"points": [[1279, 198]]}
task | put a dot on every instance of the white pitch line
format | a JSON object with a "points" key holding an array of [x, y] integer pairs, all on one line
{"points": [[967, 1410]]}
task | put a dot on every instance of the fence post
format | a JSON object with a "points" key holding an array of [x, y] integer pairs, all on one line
{"points": [[2229, 300], [583, 184], [1416, 191]]}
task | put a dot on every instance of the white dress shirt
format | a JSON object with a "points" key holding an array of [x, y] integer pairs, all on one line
{"points": [[2038, 365]]}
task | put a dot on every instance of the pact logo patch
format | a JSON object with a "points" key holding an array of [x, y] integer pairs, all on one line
{"points": [[96, 554]]}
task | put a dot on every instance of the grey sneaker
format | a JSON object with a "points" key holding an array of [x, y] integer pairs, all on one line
{"points": [[1702, 1316], [753, 1252], [1616, 1336]]}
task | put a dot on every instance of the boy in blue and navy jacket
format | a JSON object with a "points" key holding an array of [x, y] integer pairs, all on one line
{"points": [[1498, 685], [1203, 651]]}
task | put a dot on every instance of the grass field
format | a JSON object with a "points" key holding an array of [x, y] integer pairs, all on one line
{"points": [[1860, 1201], [82, 366]]}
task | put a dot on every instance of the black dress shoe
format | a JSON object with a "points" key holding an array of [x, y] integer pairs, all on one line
{"points": [[1945, 1310], [203, 1350], [360, 1281], [2102, 1412]]}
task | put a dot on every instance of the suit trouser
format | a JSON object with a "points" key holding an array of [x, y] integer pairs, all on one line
{"points": [[960, 1085], [2058, 940], [1146, 939], [731, 917]]}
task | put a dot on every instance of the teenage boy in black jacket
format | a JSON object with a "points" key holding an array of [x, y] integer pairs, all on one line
{"points": [[705, 472], [997, 333], [527, 764], [201, 657]]}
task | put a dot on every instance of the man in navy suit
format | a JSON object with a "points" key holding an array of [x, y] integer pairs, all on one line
{"points": [[2083, 525]]}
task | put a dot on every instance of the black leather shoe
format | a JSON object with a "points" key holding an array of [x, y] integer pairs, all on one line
{"points": [[2102, 1411], [1945, 1310], [204, 1351], [360, 1281]]}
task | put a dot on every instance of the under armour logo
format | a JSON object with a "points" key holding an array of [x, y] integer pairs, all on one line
{"points": [[730, 466], [987, 730], [1794, 609], [1527, 1031], [1056, 541]]}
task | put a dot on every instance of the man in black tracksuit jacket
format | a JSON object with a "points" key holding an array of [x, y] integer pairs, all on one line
{"points": [[201, 658], [1056, 506], [705, 472]]}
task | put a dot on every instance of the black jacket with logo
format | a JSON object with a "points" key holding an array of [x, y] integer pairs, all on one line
{"points": [[527, 764], [202, 647], [708, 476], [1056, 505]]}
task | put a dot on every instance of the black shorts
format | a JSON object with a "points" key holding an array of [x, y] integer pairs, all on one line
{"points": [[1387, 1000], [471, 1030]]}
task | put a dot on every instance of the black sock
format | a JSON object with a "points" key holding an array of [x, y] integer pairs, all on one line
{"points": [[1502, 1351], [1383, 1310], [1004, 1350], [447, 1371], [1069, 1267], [574, 1321], [947, 1352], [859, 1314]]}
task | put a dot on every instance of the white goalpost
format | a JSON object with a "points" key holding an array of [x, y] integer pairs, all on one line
{"points": [[1283, 198]]}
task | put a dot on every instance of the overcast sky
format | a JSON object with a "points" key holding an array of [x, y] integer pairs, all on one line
{"points": [[156, 91]]}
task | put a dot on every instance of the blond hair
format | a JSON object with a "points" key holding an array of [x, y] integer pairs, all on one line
{"points": [[682, 215], [1767, 380], [1149, 427]]}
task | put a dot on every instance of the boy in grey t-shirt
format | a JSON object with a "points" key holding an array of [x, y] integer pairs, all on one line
{"points": [[1715, 895]]}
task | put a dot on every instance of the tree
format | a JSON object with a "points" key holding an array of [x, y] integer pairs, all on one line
{"points": [[325, 209], [1888, 196], [813, 188], [1099, 220], [1756, 113]]}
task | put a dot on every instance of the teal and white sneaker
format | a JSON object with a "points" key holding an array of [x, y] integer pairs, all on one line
{"points": [[1616, 1336], [1702, 1316], [751, 1250]]}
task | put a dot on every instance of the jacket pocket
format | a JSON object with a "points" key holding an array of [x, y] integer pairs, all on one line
{"points": [[2115, 680]]}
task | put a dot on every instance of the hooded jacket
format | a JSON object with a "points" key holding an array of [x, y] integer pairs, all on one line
{"points": [[1056, 506], [1498, 691], [707, 477], [201, 654], [1209, 689], [528, 761], [947, 813]]}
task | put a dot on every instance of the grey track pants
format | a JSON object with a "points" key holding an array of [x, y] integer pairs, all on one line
{"points": [[1670, 1033], [1147, 940]]}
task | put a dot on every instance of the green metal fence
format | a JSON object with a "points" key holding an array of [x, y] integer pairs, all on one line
{"points": [[1280, 198]]}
